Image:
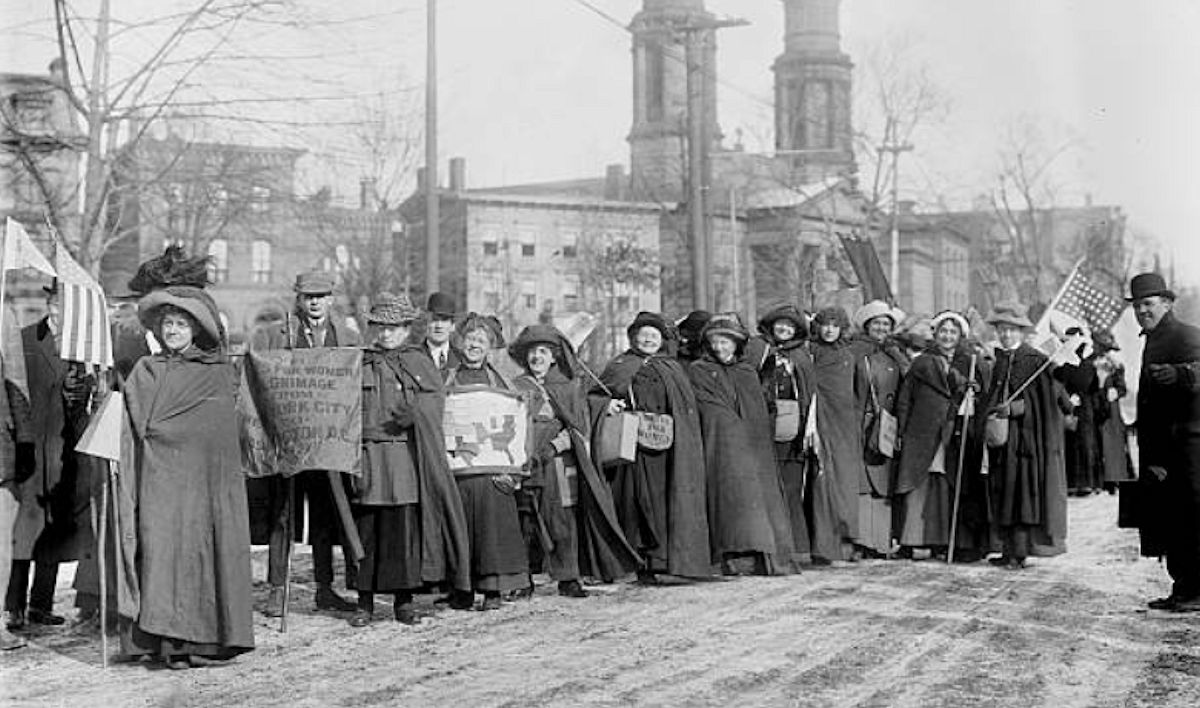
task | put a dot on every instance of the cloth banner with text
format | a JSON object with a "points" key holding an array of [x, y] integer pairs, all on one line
{"points": [[301, 409]]}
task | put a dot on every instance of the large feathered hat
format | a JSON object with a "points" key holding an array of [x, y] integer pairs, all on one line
{"points": [[176, 280]]}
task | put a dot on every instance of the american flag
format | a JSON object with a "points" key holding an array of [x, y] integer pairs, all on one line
{"points": [[1085, 302], [85, 334]]}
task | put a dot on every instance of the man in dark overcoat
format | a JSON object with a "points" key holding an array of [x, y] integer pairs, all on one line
{"points": [[312, 325], [1168, 430], [439, 326], [17, 463], [54, 517]]}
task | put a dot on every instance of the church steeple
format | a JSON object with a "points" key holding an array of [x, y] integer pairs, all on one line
{"points": [[812, 91], [657, 139]]}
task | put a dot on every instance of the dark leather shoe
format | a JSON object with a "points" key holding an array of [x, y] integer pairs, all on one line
{"points": [[405, 614], [16, 620], [462, 600], [490, 602], [327, 599], [1192, 604], [8, 642], [571, 588], [1162, 603], [46, 617], [524, 593], [361, 618], [274, 606], [178, 663]]}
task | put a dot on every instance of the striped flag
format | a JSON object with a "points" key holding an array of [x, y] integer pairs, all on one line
{"points": [[85, 335]]}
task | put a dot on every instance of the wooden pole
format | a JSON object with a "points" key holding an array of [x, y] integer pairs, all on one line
{"points": [[101, 537], [289, 487], [962, 456], [432, 207], [349, 530]]}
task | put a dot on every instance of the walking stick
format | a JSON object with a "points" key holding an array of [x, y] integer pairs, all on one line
{"points": [[289, 487], [103, 567], [968, 409]]}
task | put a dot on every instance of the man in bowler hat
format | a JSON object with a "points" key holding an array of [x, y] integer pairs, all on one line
{"points": [[441, 310], [1168, 430], [311, 325]]}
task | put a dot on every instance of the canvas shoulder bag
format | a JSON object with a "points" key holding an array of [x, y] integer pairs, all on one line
{"points": [[655, 431]]}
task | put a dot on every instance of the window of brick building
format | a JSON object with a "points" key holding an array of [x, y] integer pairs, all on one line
{"points": [[218, 253], [260, 262]]}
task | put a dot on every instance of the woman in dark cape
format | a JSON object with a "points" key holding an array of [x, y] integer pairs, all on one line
{"points": [[193, 533], [787, 376], [931, 430], [1028, 484], [884, 363], [746, 511], [571, 504], [660, 498], [406, 506], [499, 562], [839, 391], [1081, 440]]}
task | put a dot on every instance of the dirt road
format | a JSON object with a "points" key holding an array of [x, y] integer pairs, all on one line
{"points": [[1069, 631]]}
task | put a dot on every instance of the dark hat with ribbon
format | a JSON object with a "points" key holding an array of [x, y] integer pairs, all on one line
{"points": [[691, 326], [1103, 341], [564, 353], [1010, 313], [441, 305], [491, 324], [783, 312], [649, 319], [728, 324], [1148, 285], [314, 282], [392, 310]]}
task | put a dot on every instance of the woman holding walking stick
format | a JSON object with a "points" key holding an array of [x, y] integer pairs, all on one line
{"points": [[936, 461]]}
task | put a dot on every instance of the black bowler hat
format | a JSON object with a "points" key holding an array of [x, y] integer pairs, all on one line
{"points": [[441, 305], [1148, 285]]}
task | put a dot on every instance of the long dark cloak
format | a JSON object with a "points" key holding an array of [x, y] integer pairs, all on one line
{"points": [[1028, 474], [604, 552], [688, 552], [192, 523], [445, 554], [746, 508], [840, 390]]}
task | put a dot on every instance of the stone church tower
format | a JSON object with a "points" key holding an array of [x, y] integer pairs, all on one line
{"points": [[657, 140], [812, 92]]}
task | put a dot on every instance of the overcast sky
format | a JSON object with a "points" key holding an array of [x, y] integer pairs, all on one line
{"points": [[541, 89]]}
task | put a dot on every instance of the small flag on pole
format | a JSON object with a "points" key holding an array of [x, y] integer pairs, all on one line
{"points": [[19, 251], [102, 437], [85, 334]]}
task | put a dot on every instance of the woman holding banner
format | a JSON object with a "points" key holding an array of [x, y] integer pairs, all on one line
{"points": [[570, 504], [406, 506], [499, 562], [660, 496], [193, 534], [1025, 445]]}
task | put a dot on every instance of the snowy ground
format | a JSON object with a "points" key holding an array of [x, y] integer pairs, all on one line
{"points": [[1069, 631]]}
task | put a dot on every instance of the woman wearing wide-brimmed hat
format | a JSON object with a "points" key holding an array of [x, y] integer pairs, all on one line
{"points": [[787, 375], [192, 527], [1027, 478], [1110, 427], [931, 434], [748, 517], [406, 506], [566, 499], [660, 496], [499, 561], [1081, 442], [885, 364]]}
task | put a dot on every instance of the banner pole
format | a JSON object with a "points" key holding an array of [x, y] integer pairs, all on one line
{"points": [[962, 456]]}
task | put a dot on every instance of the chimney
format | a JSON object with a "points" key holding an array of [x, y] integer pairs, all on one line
{"points": [[366, 194], [614, 183], [458, 174]]}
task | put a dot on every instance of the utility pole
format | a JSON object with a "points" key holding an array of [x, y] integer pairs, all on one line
{"points": [[699, 168], [94, 188], [892, 146], [432, 216]]}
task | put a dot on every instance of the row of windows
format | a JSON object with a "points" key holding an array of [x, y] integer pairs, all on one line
{"points": [[260, 260], [216, 193]]}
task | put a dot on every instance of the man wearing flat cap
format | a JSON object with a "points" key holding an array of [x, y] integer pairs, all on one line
{"points": [[441, 310], [311, 325], [1168, 430]]}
